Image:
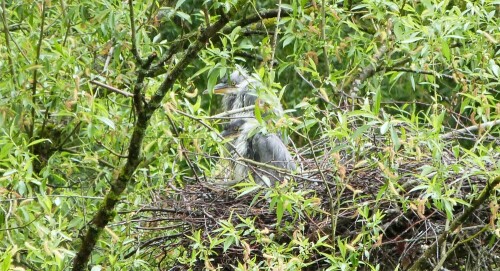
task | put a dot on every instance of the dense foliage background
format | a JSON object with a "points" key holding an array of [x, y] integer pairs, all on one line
{"points": [[104, 129]]}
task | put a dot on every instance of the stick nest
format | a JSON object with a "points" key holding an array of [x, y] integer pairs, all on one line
{"points": [[412, 191]]}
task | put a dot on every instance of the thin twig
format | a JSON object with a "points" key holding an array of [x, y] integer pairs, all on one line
{"points": [[206, 14], [325, 181], [450, 251], [102, 162], [53, 196], [108, 59], [108, 87], [154, 240], [22, 226], [68, 136], [224, 115], [110, 150], [419, 72], [323, 38]]}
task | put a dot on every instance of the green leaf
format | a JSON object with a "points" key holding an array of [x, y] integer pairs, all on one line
{"points": [[229, 240], [9, 172], [257, 114], [359, 132], [34, 142], [107, 121], [412, 81], [395, 138], [494, 68], [446, 50], [183, 15], [384, 128], [179, 4], [279, 211], [212, 79], [21, 187], [377, 101], [289, 39], [6, 148], [411, 40]]}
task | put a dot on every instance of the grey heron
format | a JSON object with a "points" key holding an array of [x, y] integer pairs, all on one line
{"points": [[240, 90], [257, 146]]}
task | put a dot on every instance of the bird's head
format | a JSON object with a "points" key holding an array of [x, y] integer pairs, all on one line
{"points": [[233, 83]]}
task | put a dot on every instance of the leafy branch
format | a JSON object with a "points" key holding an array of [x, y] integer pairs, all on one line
{"points": [[423, 262]]}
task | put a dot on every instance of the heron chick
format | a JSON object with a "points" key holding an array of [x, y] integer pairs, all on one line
{"points": [[239, 90], [259, 147]]}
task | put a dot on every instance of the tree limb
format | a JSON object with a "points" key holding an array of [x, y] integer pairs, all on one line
{"points": [[135, 52], [144, 111]]}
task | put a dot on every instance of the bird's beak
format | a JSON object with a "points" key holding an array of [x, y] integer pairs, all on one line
{"points": [[229, 134], [224, 133], [222, 89]]}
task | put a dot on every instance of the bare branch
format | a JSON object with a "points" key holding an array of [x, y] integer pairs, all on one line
{"points": [[108, 87], [470, 129], [353, 84], [419, 72]]}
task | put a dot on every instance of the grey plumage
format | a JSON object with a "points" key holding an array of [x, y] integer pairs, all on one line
{"points": [[259, 147], [239, 90]]}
